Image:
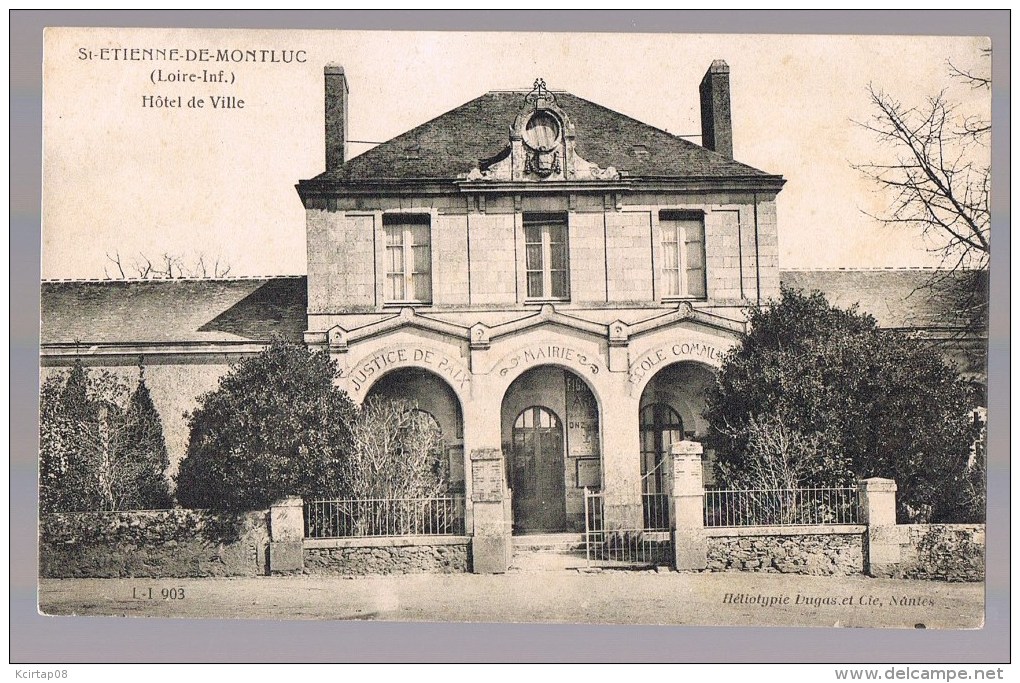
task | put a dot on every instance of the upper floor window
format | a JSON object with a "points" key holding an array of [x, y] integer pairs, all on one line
{"points": [[408, 258], [546, 258], [683, 248]]}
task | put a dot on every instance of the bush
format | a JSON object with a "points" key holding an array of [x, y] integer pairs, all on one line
{"points": [[100, 448], [819, 396], [275, 426]]}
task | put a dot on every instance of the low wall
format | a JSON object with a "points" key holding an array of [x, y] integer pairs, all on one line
{"points": [[943, 552], [817, 550], [357, 556], [153, 543]]}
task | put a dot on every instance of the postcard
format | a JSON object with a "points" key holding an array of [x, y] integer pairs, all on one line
{"points": [[521, 327]]}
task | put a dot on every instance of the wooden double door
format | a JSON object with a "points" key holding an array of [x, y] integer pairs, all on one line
{"points": [[536, 472]]}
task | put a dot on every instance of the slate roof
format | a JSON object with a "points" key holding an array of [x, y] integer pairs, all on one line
{"points": [[897, 298], [454, 143], [253, 309], [153, 311]]}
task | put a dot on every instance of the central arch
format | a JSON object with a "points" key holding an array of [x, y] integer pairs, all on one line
{"points": [[550, 427]]}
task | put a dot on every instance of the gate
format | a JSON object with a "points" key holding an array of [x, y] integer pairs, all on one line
{"points": [[621, 548]]}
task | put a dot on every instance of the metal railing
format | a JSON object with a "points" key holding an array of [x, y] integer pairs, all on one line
{"points": [[384, 517], [655, 508], [622, 548], [781, 507]]}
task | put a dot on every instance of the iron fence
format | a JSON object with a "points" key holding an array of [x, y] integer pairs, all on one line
{"points": [[384, 517], [655, 507], [624, 548], [781, 507]]}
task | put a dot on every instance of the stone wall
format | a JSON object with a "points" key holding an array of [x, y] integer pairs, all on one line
{"points": [[943, 552], [153, 543], [786, 551], [353, 557]]}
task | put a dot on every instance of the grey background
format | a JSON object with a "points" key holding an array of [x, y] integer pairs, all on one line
{"points": [[38, 639]]}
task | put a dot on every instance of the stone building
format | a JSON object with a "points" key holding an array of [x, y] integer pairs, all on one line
{"points": [[554, 282], [548, 278]]}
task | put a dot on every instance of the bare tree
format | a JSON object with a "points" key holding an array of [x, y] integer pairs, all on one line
{"points": [[938, 175], [398, 453], [168, 266]]}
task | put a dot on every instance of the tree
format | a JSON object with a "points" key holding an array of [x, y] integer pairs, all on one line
{"points": [[819, 396], [275, 426], [398, 453], [168, 266], [937, 173], [145, 452], [101, 448]]}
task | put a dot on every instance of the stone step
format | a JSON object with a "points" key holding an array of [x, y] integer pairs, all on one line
{"points": [[548, 542]]}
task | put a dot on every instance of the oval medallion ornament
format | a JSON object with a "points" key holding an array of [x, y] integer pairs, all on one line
{"points": [[542, 133]]}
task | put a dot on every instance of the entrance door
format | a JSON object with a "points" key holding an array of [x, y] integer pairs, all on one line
{"points": [[536, 471]]}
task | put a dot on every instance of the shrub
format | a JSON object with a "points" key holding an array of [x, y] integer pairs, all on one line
{"points": [[275, 426], [820, 396]]}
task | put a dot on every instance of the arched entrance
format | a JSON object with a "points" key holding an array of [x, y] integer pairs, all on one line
{"points": [[660, 426], [536, 471], [433, 396], [671, 410], [551, 445]]}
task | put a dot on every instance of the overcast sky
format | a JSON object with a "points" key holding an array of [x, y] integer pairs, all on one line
{"points": [[122, 177]]}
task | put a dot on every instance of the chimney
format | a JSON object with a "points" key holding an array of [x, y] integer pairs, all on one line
{"points": [[716, 128], [336, 116]]}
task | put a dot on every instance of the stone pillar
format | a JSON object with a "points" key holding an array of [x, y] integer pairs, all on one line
{"points": [[877, 499], [687, 506], [286, 534], [621, 464], [491, 542]]}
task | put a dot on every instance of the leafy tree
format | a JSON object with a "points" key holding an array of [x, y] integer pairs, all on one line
{"points": [[101, 448], [275, 426], [145, 450], [823, 397]]}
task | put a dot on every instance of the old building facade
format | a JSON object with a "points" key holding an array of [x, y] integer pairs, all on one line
{"points": [[551, 280], [554, 282]]}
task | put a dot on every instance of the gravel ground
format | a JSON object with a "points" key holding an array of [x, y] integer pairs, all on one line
{"points": [[606, 597]]}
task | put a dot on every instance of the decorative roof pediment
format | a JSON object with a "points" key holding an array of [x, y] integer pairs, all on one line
{"points": [[541, 147]]}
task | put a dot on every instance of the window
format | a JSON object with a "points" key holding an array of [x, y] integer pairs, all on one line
{"points": [[545, 242], [408, 258], [683, 248]]}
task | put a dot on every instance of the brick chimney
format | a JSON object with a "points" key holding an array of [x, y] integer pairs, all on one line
{"points": [[716, 127], [336, 116]]}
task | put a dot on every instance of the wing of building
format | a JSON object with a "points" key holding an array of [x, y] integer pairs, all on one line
{"points": [[551, 280]]}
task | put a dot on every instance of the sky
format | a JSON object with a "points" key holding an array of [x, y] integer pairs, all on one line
{"points": [[123, 177]]}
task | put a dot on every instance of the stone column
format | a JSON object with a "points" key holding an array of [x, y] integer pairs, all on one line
{"points": [[286, 534], [877, 499], [621, 462], [687, 506], [491, 530]]}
